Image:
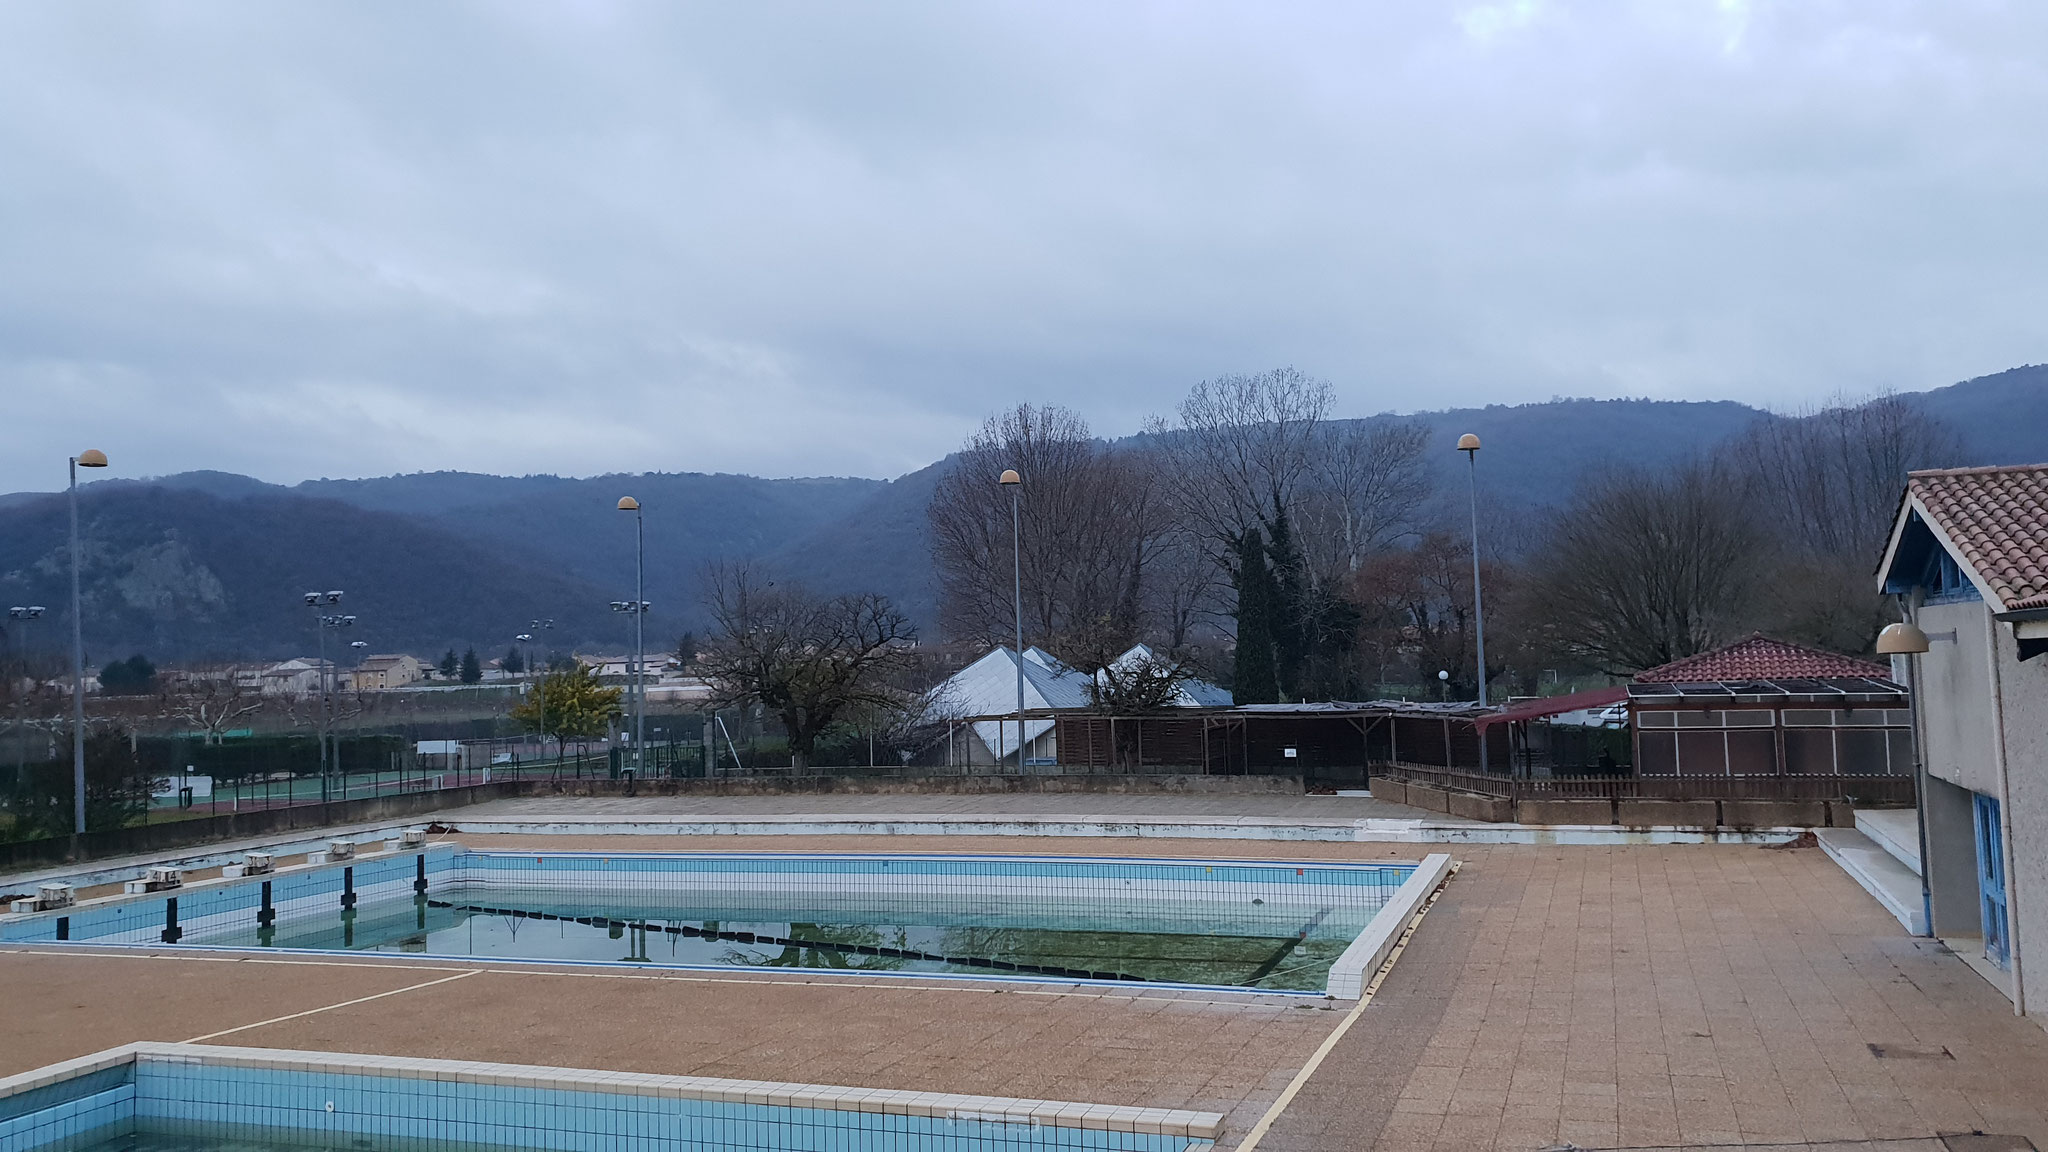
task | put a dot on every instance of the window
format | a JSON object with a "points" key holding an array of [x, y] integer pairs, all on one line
{"points": [[1702, 754], [1809, 752], [1657, 752], [1752, 752]]}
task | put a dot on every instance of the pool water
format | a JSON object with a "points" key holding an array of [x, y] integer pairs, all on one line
{"points": [[1291, 955], [1259, 925]]}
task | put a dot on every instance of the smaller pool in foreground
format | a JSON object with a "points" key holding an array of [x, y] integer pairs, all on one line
{"points": [[200, 1098]]}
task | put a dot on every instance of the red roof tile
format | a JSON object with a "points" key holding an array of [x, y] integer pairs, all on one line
{"points": [[1761, 658], [1998, 519]]}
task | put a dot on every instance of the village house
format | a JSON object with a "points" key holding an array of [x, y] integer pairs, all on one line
{"points": [[377, 673]]}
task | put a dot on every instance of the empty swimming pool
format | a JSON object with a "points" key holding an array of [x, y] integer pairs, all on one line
{"points": [[1269, 926]]}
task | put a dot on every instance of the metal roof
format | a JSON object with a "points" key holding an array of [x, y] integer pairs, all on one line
{"points": [[1553, 705]]}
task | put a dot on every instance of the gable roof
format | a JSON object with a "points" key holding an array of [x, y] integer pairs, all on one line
{"points": [[1993, 521], [988, 687], [1761, 658]]}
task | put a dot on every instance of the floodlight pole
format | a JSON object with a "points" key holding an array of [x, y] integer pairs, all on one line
{"points": [[639, 608], [20, 615], [639, 645]]}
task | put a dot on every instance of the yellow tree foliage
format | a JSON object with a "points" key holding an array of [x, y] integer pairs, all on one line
{"points": [[568, 705]]}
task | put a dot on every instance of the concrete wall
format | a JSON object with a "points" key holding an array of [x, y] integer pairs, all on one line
{"points": [[1951, 862], [2023, 706], [1958, 731]]}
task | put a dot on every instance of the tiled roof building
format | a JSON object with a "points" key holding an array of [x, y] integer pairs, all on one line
{"points": [[1761, 658]]}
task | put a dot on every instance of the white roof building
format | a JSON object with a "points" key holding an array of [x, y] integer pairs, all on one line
{"points": [[988, 688]]}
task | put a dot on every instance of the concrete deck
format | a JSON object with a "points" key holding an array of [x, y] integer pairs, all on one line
{"points": [[1637, 996], [1164, 805]]}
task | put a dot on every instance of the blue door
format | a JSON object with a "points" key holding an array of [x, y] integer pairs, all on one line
{"points": [[1991, 881]]}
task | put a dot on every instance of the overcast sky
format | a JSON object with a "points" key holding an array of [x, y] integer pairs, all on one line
{"points": [[299, 240]]}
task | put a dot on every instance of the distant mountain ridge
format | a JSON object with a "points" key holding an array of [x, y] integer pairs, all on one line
{"points": [[213, 562]]}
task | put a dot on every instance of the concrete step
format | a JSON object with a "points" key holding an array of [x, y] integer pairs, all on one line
{"points": [[1896, 830], [1879, 872]]}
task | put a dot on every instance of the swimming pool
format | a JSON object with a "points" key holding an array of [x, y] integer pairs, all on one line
{"points": [[202, 1098], [1270, 926]]}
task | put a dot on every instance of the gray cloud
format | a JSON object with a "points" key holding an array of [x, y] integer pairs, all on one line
{"points": [[346, 239]]}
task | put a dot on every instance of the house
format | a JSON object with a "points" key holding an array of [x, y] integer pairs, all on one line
{"points": [[1767, 708], [983, 698], [377, 673], [299, 676], [1968, 560]]}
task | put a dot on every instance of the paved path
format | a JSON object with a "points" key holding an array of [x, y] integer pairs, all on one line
{"points": [[1649, 997], [1158, 805], [1638, 997]]}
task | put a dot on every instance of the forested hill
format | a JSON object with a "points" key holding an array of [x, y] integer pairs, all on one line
{"points": [[213, 563]]}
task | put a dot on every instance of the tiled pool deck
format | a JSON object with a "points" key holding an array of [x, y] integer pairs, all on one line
{"points": [[1631, 996]]}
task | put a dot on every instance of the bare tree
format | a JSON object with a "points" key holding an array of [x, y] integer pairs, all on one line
{"points": [[1090, 526], [1416, 613], [1367, 483], [811, 660], [1139, 686], [211, 698], [1242, 449], [1185, 590], [1643, 567], [1827, 484], [1830, 478]]}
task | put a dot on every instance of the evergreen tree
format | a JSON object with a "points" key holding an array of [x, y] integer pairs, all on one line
{"points": [[472, 668], [1254, 679], [134, 676], [513, 663], [450, 665], [1290, 608]]}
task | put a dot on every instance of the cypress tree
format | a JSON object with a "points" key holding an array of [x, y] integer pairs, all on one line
{"points": [[472, 668], [1291, 610], [1253, 679]]}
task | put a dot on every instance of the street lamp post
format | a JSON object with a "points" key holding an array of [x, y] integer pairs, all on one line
{"points": [[90, 458], [639, 609], [1469, 445], [21, 615], [1015, 483]]}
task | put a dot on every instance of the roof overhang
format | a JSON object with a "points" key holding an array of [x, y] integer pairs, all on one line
{"points": [[1911, 509]]}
